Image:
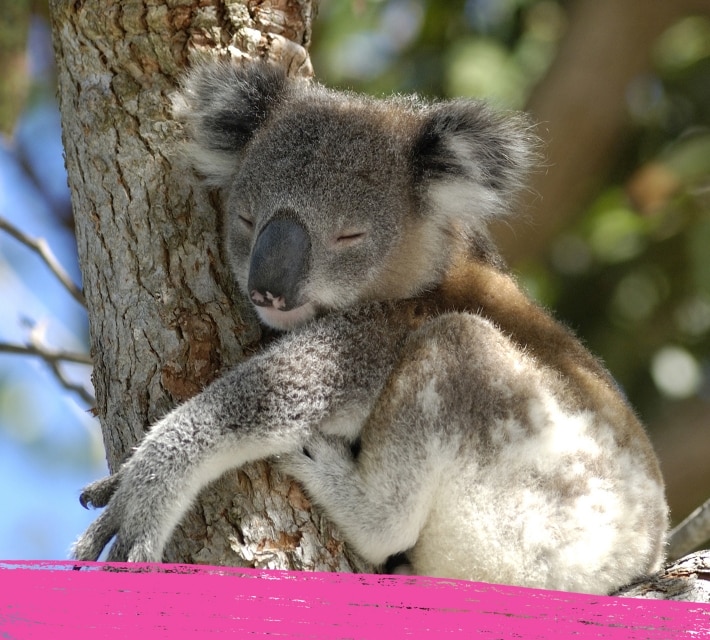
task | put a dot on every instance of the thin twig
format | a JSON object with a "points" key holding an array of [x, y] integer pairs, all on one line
{"points": [[74, 387], [42, 249], [691, 533], [54, 358], [47, 354]]}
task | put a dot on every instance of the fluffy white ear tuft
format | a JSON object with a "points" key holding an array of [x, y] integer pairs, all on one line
{"points": [[472, 161], [223, 105]]}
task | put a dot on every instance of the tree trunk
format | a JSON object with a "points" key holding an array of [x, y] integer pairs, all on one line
{"points": [[165, 317]]}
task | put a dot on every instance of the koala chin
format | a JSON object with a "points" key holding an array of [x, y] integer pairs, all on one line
{"points": [[426, 404]]}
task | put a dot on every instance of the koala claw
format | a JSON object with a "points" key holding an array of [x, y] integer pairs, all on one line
{"points": [[98, 493]]}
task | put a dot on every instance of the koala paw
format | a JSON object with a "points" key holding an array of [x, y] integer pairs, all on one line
{"points": [[131, 543], [134, 534]]}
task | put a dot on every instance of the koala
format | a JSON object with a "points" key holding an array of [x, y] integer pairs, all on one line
{"points": [[426, 404]]}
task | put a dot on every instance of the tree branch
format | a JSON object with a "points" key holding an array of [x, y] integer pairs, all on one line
{"points": [[685, 580], [42, 249], [691, 533], [53, 358], [47, 354]]}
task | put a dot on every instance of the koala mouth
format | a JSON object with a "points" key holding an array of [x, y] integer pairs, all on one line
{"points": [[286, 320]]}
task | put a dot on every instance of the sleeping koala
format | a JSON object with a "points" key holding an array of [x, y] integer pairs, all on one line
{"points": [[426, 404]]}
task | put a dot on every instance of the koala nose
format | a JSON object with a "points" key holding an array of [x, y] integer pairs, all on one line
{"points": [[279, 264]]}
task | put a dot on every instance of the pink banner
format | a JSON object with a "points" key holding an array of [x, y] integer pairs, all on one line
{"points": [[50, 600]]}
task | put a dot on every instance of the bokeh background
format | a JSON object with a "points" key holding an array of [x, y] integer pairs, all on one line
{"points": [[614, 234]]}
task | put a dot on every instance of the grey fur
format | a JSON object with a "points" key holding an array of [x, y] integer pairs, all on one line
{"points": [[492, 445]]}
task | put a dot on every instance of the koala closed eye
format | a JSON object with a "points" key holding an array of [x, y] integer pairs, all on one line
{"points": [[430, 408], [350, 237]]}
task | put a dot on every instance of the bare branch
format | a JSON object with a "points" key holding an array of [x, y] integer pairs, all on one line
{"points": [[71, 386], [684, 580], [691, 533], [47, 354], [54, 358], [42, 249]]}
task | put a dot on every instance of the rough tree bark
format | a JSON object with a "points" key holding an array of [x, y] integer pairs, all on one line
{"points": [[165, 318]]}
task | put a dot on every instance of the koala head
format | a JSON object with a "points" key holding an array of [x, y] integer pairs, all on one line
{"points": [[332, 198]]}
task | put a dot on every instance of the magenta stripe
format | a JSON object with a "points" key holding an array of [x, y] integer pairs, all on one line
{"points": [[49, 600]]}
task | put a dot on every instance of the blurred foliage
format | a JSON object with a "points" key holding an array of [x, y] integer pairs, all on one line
{"points": [[632, 274], [492, 48]]}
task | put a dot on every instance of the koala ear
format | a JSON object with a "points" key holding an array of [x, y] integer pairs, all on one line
{"points": [[472, 161], [223, 105]]}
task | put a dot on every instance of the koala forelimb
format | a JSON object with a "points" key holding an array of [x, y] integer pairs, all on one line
{"points": [[491, 444], [308, 376]]}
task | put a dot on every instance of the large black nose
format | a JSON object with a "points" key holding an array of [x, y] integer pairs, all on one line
{"points": [[279, 264]]}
